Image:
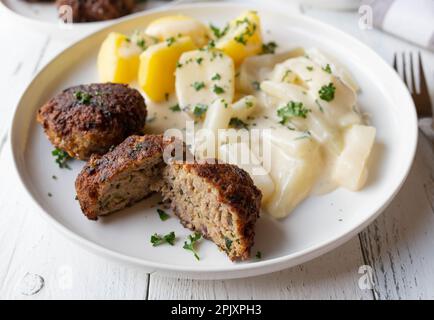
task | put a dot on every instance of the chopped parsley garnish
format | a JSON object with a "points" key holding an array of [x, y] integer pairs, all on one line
{"points": [[198, 85], [199, 109], [82, 97], [178, 64], [292, 109], [250, 30], [327, 92], [61, 158], [228, 243], [163, 215], [157, 239], [210, 45], [218, 90], [258, 255], [309, 68], [256, 85], [175, 108], [249, 104], [327, 68], [190, 245], [241, 39], [269, 47], [54, 177], [142, 44], [170, 41], [218, 33], [199, 60], [216, 76], [286, 74], [237, 123]]}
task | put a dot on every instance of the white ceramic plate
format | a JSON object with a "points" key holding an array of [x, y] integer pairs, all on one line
{"points": [[43, 16], [318, 225]]}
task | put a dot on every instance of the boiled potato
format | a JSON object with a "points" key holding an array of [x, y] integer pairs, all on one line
{"points": [[243, 38], [174, 26], [350, 169], [240, 155], [118, 59], [142, 40], [203, 76], [158, 64]]}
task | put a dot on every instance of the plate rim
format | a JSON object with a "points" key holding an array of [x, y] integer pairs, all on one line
{"points": [[233, 270]]}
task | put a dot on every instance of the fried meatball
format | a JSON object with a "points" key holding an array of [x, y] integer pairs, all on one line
{"points": [[35, 1], [126, 174], [95, 10], [88, 119], [217, 200]]}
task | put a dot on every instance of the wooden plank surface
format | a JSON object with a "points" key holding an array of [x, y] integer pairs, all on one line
{"points": [[332, 276], [32, 250], [398, 245]]}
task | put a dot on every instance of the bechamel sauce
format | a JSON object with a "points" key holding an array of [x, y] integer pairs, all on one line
{"points": [[335, 113]]}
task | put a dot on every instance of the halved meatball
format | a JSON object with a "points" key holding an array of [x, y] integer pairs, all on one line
{"points": [[92, 118], [126, 174], [217, 200], [95, 10]]}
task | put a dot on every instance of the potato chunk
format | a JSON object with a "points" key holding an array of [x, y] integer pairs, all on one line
{"points": [[243, 38], [118, 59], [158, 64], [202, 76], [173, 26]]}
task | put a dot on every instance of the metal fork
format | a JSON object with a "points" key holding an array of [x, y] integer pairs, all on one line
{"points": [[420, 97]]}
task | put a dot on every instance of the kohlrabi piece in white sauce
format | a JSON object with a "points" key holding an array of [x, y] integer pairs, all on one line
{"points": [[256, 69], [350, 170], [333, 66], [241, 155], [293, 178]]}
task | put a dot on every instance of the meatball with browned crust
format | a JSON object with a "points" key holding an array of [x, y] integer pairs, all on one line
{"points": [[95, 10], [34, 1], [126, 174], [88, 119], [218, 200]]}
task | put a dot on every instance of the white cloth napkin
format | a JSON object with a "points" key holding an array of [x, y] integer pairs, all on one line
{"points": [[412, 20]]}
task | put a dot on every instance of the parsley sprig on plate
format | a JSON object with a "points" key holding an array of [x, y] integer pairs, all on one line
{"points": [[192, 239], [157, 239], [62, 158], [163, 215]]}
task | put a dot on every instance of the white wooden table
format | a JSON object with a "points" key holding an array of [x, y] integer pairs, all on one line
{"points": [[398, 246]]}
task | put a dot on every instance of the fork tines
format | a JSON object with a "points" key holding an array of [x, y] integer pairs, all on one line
{"points": [[420, 97]]}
